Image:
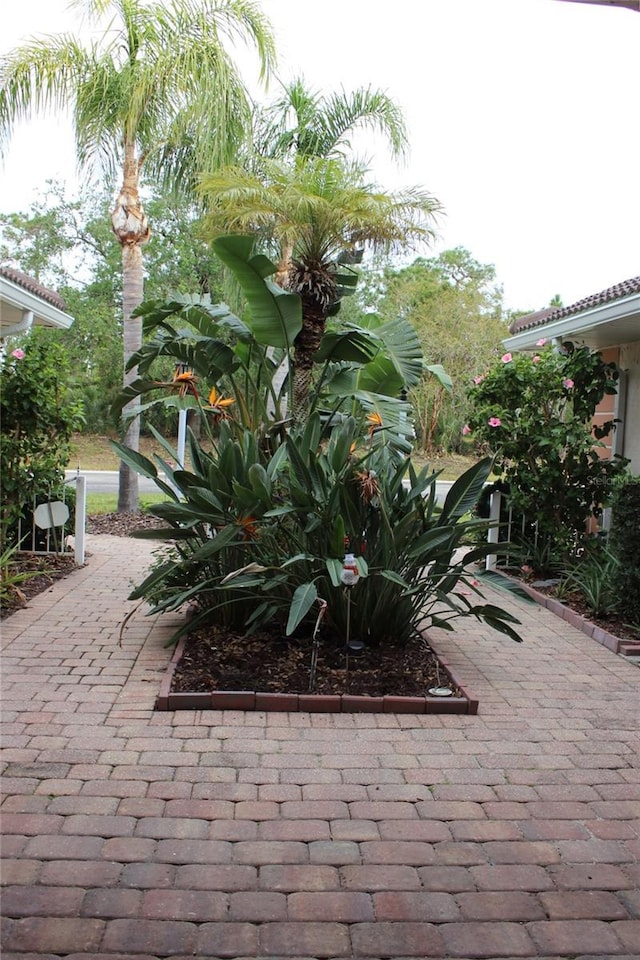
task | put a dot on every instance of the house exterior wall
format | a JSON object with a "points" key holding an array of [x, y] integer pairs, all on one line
{"points": [[629, 363]]}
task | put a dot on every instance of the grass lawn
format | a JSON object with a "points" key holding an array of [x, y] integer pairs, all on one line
{"points": [[93, 452], [99, 503]]}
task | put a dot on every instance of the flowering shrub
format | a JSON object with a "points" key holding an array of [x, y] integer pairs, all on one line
{"points": [[39, 412], [535, 414]]}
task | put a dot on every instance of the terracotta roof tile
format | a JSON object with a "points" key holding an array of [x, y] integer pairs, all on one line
{"points": [[541, 317], [28, 283]]}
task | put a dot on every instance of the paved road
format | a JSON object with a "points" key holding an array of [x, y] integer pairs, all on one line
{"points": [[106, 481]]}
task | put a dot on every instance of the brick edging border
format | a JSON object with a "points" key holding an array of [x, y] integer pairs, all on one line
{"points": [[306, 702], [576, 620]]}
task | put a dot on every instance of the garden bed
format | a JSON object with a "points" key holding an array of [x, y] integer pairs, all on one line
{"points": [[211, 669], [610, 631]]}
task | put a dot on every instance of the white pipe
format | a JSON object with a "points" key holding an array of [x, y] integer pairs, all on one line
{"points": [[22, 326]]}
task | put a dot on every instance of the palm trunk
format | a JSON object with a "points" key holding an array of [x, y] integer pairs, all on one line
{"points": [[315, 284], [281, 275], [132, 230], [305, 346]]}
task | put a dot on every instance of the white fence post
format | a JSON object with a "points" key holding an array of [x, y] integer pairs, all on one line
{"points": [[494, 531], [81, 518], [182, 436]]}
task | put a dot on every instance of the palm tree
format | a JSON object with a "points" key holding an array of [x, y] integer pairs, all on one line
{"points": [[317, 208], [303, 123], [158, 73]]}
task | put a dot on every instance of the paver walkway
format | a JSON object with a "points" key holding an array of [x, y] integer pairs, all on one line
{"points": [[136, 834]]}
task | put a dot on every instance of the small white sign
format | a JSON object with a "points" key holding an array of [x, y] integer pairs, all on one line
{"points": [[49, 515]]}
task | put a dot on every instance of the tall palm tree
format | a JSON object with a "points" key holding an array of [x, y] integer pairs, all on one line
{"points": [[304, 123], [157, 73], [318, 208]]}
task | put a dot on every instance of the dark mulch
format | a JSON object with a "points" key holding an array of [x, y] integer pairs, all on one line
{"points": [[271, 663], [121, 524]]}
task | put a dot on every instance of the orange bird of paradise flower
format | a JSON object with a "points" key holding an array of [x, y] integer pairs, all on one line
{"points": [[249, 527], [218, 404], [186, 383], [375, 423]]}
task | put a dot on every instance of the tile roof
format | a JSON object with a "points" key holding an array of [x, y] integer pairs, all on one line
{"points": [[541, 317], [28, 283]]}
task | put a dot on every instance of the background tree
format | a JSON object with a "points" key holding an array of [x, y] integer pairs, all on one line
{"points": [[157, 73], [455, 305], [67, 244]]}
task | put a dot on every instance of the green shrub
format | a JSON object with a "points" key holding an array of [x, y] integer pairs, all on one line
{"points": [[260, 537], [39, 412], [594, 576], [624, 543]]}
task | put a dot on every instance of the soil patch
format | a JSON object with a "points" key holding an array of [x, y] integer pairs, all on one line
{"points": [[271, 663]]}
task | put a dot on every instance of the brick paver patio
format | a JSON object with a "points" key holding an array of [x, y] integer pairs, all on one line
{"points": [[129, 833]]}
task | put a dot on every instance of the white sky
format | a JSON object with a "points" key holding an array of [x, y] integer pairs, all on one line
{"points": [[522, 115]]}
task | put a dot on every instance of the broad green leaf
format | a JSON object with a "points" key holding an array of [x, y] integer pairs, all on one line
{"points": [[440, 623], [260, 483], [162, 533], [352, 346], [276, 316], [440, 374], [394, 578], [303, 599], [490, 610], [297, 558], [135, 460], [465, 492], [280, 512], [134, 390], [381, 375], [334, 569], [425, 545], [402, 345]]}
